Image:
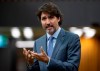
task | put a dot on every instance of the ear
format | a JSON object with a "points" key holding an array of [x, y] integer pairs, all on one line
{"points": [[59, 19]]}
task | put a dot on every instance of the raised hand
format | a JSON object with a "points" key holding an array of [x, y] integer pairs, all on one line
{"points": [[28, 56], [41, 56]]}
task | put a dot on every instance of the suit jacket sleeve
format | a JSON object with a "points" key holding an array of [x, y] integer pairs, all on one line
{"points": [[73, 57]]}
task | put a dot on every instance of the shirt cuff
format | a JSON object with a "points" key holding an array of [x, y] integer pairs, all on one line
{"points": [[48, 62]]}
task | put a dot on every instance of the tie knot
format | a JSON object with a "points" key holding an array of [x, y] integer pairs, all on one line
{"points": [[51, 38]]}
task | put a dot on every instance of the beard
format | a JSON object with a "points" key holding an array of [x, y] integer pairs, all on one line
{"points": [[50, 29]]}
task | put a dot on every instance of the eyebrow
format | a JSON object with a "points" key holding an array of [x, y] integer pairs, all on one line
{"points": [[43, 17]]}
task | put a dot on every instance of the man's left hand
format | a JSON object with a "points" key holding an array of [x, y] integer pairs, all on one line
{"points": [[41, 56]]}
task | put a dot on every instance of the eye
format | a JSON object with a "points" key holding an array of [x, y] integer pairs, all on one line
{"points": [[51, 17], [43, 18]]}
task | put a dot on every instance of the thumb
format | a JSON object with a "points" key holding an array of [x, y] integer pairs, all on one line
{"points": [[42, 51], [24, 50]]}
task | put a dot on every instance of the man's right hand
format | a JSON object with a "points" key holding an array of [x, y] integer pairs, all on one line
{"points": [[28, 56]]}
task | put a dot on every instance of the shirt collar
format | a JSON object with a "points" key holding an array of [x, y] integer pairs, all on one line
{"points": [[55, 35]]}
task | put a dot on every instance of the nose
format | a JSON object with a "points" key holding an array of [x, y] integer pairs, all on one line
{"points": [[47, 21]]}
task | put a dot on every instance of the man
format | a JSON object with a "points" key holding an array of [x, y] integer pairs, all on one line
{"points": [[57, 50]]}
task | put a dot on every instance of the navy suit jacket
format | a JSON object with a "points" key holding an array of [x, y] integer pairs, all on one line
{"points": [[65, 56]]}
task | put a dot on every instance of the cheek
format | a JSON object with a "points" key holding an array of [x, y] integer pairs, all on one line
{"points": [[56, 23], [43, 25]]}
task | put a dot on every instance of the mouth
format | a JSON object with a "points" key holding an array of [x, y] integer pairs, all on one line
{"points": [[49, 28]]}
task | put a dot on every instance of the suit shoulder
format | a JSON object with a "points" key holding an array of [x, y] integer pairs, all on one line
{"points": [[71, 35], [40, 38]]}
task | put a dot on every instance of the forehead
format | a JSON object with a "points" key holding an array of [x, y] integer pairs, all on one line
{"points": [[44, 14]]}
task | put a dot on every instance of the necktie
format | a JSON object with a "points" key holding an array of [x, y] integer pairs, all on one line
{"points": [[50, 46]]}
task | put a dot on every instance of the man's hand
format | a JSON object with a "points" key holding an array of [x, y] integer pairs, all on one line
{"points": [[28, 56], [41, 56]]}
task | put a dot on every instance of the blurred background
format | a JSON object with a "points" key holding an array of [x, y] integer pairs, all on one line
{"points": [[19, 28]]}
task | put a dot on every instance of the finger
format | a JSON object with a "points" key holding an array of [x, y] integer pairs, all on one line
{"points": [[32, 53], [36, 55], [32, 57], [24, 48], [25, 52], [29, 51], [29, 55]]}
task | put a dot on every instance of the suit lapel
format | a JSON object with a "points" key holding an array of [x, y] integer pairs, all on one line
{"points": [[59, 42], [44, 43], [44, 46]]}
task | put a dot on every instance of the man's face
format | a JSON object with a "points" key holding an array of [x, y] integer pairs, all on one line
{"points": [[49, 23]]}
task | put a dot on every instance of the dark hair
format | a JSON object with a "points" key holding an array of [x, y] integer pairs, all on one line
{"points": [[51, 9]]}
